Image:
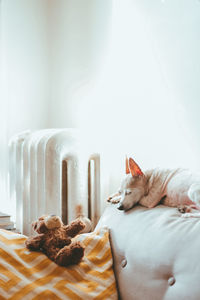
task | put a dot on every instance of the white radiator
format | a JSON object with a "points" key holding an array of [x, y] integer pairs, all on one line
{"points": [[50, 172]]}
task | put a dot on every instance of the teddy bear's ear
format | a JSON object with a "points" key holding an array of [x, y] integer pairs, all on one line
{"points": [[34, 225], [39, 226], [42, 228], [42, 217]]}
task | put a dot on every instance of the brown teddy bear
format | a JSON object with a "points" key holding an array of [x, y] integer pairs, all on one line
{"points": [[54, 239]]}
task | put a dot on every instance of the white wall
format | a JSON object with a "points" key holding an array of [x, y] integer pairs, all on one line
{"points": [[156, 71], [3, 140], [78, 38], [138, 94], [24, 76], [25, 48], [50, 50]]}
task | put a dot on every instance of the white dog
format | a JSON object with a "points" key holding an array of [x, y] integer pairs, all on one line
{"points": [[177, 188]]}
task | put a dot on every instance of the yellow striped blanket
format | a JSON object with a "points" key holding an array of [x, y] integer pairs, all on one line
{"points": [[31, 275]]}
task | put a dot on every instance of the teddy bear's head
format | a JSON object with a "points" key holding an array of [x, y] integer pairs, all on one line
{"points": [[45, 223]]}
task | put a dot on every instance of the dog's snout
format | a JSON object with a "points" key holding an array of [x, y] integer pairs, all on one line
{"points": [[120, 207]]}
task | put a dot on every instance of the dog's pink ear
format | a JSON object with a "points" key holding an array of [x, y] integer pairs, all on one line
{"points": [[134, 168], [127, 166]]}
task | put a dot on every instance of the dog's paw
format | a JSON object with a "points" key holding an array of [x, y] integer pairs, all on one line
{"points": [[183, 209], [114, 201], [109, 199]]}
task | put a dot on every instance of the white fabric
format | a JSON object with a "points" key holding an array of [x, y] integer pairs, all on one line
{"points": [[156, 253]]}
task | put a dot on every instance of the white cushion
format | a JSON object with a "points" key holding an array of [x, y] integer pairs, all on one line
{"points": [[156, 253]]}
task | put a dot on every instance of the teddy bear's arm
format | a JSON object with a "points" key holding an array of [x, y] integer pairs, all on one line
{"points": [[74, 227], [34, 243]]}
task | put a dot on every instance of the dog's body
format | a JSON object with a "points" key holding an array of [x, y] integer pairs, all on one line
{"points": [[176, 188]]}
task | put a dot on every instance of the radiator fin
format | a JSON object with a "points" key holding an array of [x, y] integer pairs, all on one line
{"points": [[50, 173]]}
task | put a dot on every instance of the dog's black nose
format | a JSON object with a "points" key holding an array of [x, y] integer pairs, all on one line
{"points": [[120, 207]]}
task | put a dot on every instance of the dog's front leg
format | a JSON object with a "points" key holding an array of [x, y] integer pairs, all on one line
{"points": [[115, 198]]}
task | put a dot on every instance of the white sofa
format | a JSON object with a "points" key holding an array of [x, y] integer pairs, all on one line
{"points": [[156, 253]]}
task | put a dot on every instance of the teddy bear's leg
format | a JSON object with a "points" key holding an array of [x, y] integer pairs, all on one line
{"points": [[34, 243], [70, 255]]}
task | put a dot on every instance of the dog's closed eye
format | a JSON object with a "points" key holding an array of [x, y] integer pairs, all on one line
{"points": [[127, 192]]}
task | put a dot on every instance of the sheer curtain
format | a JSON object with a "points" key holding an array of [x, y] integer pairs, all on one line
{"points": [[125, 72]]}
